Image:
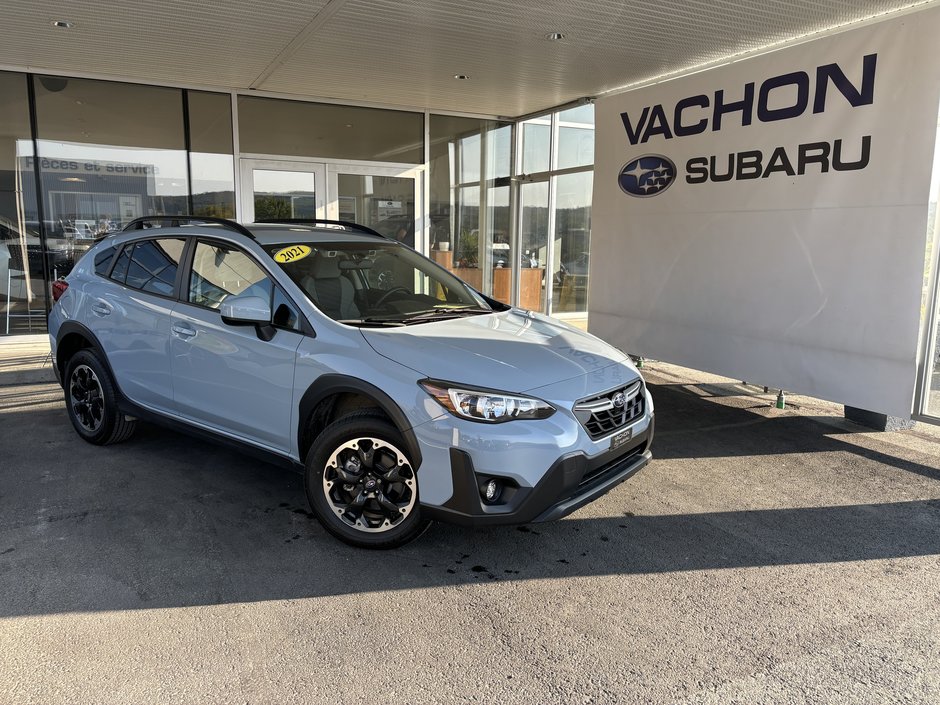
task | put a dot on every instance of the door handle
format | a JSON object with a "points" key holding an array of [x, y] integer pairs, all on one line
{"points": [[102, 308], [181, 330]]}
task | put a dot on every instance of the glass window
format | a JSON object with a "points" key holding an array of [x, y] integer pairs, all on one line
{"points": [[119, 273], [211, 162], [533, 204], [536, 145], [498, 151], [284, 194], [23, 253], [220, 271], [932, 392], [272, 126], [153, 265], [108, 153], [469, 214], [467, 236], [384, 203], [573, 195], [931, 328], [582, 115], [575, 137], [103, 261], [469, 156], [379, 283]]}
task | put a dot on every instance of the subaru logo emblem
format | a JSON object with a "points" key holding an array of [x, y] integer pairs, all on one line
{"points": [[648, 175], [618, 400]]}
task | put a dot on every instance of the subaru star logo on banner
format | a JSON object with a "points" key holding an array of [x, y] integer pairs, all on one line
{"points": [[647, 175], [766, 219]]}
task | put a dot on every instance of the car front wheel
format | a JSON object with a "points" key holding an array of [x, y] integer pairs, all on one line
{"points": [[362, 485]]}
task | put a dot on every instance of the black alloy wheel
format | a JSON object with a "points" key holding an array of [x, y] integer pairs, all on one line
{"points": [[362, 485]]}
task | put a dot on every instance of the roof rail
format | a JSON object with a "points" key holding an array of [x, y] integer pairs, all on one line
{"points": [[176, 220], [321, 221]]}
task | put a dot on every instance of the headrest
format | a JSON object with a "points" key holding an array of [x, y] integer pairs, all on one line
{"points": [[325, 267]]}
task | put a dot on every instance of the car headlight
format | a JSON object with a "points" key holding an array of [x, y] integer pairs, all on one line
{"points": [[486, 406]]}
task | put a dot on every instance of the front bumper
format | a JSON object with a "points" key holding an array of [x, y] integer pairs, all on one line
{"points": [[573, 481]]}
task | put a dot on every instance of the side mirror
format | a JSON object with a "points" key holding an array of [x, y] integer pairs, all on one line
{"points": [[246, 310]]}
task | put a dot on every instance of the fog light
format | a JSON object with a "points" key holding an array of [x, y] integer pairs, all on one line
{"points": [[491, 491]]}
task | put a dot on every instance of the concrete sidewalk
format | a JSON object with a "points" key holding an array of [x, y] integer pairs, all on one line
{"points": [[25, 359]]}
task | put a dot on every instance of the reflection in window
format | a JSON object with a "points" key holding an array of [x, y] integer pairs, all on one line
{"points": [[271, 126], [536, 145], [220, 271], [575, 137], [100, 167], [119, 273], [555, 211], [384, 203], [533, 204], [211, 162], [153, 265], [284, 194], [470, 219], [573, 194], [23, 254]]}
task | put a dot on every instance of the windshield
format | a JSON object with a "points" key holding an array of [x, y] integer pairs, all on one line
{"points": [[379, 284]]}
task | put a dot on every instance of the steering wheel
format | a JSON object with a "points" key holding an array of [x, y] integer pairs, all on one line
{"points": [[388, 293]]}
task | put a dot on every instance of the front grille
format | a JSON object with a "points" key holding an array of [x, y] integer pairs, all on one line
{"points": [[608, 412]]}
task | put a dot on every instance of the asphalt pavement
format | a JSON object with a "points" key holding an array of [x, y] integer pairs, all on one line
{"points": [[765, 556]]}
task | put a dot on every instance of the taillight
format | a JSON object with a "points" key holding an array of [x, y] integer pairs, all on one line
{"points": [[58, 288]]}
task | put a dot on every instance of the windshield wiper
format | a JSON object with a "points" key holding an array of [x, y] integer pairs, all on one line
{"points": [[372, 321], [445, 313]]}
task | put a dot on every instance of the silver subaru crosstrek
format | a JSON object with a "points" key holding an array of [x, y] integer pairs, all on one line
{"points": [[403, 394]]}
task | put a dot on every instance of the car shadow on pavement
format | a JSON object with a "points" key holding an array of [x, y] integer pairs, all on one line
{"points": [[168, 521], [692, 426]]}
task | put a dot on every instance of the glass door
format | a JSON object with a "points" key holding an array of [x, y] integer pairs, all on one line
{"points": [[282, 189], [386, 199]]}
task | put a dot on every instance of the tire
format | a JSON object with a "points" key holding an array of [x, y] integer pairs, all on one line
{"points": [[91, 401], [359, 478]]}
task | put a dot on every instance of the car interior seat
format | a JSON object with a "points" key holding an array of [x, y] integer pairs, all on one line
{"points": [[332, 292]]}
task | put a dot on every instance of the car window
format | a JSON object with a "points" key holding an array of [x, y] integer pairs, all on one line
{"points": [[119, 273], [103, 261], [220, 271], [375, 282], [153, 264]]}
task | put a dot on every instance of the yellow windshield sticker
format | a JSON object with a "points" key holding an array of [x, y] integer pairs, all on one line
{"points": [[291, 254]]}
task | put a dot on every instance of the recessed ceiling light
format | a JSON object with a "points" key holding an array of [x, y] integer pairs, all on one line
{"points": [[63, 24], [555, 36], [73, 179], [461, 77], [348, 124]]}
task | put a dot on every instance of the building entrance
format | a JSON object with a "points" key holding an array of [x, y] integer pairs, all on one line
{"points": [[388, 199]]}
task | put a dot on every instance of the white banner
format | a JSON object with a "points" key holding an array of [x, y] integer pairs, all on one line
{"points": [[776, 232]]}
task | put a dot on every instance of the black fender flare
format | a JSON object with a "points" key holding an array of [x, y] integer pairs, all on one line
{"points": [[330, 384], [70, 327]]}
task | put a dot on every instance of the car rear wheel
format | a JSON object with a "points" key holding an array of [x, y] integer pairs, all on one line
{"points": [[362, 485], [91, 401]]}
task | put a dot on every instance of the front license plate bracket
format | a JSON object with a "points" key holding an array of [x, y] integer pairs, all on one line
{"points": [[619, 439]]}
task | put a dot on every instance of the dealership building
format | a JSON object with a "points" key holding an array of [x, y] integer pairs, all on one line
{"points": [[750, 191]]}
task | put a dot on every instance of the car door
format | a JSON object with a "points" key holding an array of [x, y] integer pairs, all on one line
{"points": [[130, 315], [226, 376]]}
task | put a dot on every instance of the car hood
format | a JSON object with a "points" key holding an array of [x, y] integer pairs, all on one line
{"points": [[512, 351]]}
